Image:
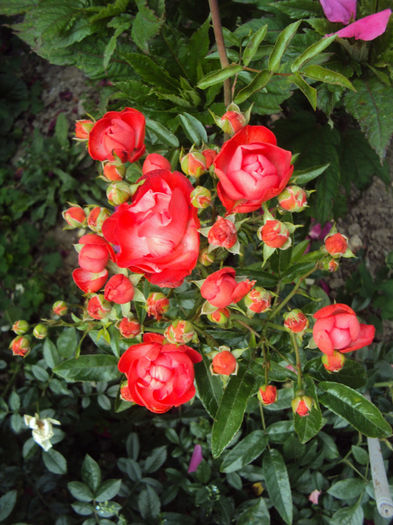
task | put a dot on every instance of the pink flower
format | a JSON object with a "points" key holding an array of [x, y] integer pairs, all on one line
{"points": [[339, 10], [313, 497], [367, 28], [196, 459]]}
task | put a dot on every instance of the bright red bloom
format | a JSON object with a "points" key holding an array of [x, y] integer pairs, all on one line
{"points": [[120, 133], [223, 233], [224, 363], [95, 253], [88, 281], [155, 161], [119, 289], [221, 288], [338, 328], [160, 376], [252, 169], [157, 234]]}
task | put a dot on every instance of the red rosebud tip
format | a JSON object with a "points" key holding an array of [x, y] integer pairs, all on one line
{"points": [[334, 362], [157, 304], [295, 321], [336, 244], [224, 363], [119, 289], [302, 405], [267, 394], [129, 328], [223, 233], [20, 345], [59, 308]]}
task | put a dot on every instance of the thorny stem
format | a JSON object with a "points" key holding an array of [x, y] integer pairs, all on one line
{"points": [[217, 27]]}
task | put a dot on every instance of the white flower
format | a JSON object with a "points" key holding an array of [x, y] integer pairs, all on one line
{"points": [[42, 429]]}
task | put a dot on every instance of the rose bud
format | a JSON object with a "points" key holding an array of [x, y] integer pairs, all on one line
{"points": [[96, 218], [118, 192], [118, 134], [251, 169], [94, 254], [119, 289], [75, 217], [224, 363], [210, 155], [302, 405], [83, 128], [194, 164], [293, 199], [40, 331], [258, 300], [179, 332], [20, 345], [113, 171], [125, 394], [267, 394], [223, 233], [157, 304], [221, 289], [220, 316], [338, 328], [339, 10], [275, 234], [329, 264], [20, 327], [159, 376], [206, 258], [231, 122], [98, 307], [333, 362], [155, 161], [201, 197], [59, 308], [129, 327], [88, 281], [295, 321], [336, 244]]}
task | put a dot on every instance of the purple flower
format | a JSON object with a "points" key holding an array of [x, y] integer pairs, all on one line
{"points": [[339, 10], [196, 458]]}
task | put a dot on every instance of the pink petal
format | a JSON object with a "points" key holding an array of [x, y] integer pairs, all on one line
{"points": [[313, 497], [339, 10], [196, 458], [367, 28]]}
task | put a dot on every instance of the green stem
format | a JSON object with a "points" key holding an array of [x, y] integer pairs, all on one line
{"points": [[298, 362], [217, 27]]}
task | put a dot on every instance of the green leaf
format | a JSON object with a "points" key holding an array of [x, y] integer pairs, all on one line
{"points": [[279, 431], [256, 513], [353, 374], [198, 47], [54, 461], [218, 76], [40, 373], [277, 484], [162, 133], [67, 342], [14, 401], [7, 504], [108, 490], [253, 44], [91, 473], [61, 130], [244, 452], [299, 8], [327, 75], [309, 92], [304, 176], [133, 446], [282, 42], [94, 367], [308, 426], [209, 387], [109, 50], [156, 459], [83, 508], [257, 83], [349, 516], [104, 402], [230, 412], [150, 72], [372, 107], [80, 491], [360, 454], [149, 503], [51, 354], [146, 25], [311, 52], [347, 488], [193, 128], [354, 408]]}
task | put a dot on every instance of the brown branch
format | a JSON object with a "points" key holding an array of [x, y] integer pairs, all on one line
{"points": [[217, 27]]}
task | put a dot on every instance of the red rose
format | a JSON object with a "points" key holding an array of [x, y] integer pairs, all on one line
{"points": [[119, 289], [129, 327], [155, 161], [224, 363], [267, 394], [221, 288], [120, 133], [98, 307], [223, 233], [94, 253], [157, 234], [88, 281], [338, 328], [252, 169], [160, 376], [295, 321], [336, 244], [275, 234]]}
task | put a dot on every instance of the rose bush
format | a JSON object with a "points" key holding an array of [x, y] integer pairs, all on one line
{"points": [[252, 169], [160, 376], [157, 234], [221, 289]]}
